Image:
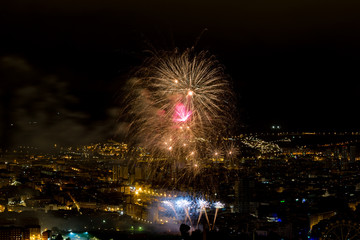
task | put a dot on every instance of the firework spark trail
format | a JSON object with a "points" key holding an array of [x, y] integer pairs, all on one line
{"points": [[216, 211], [231, 150], [203, 205], [187, 214], [207, 218], [177, 102], [184, 204], [181, 113], [168, 203], [197, 225], [217, 205]]}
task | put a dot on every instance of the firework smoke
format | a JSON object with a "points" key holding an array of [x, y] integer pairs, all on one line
{"points": [[171, 205]]}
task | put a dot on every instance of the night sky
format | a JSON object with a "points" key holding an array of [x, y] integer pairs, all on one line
{"points": [[63, 63]]}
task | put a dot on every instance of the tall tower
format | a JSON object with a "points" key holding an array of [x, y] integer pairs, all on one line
{"points": [[344, 158], [352, 154], [244, 189]]}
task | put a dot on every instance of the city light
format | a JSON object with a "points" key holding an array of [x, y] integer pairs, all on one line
{"points": [[118, 122]]}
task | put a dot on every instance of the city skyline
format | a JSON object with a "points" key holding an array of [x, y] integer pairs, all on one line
{"points": [[293, 185], [179, 120]]}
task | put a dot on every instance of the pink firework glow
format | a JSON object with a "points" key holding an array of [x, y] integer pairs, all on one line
{"points": [[181, 113], [175, 105]]}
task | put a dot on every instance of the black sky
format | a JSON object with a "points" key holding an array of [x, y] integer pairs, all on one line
{"points": [[294, 63]]}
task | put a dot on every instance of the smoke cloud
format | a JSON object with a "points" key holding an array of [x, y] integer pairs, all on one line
{"points": [[39, 110]]}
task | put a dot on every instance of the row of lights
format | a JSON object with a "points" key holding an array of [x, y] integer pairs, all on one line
{"points": [[140, 219], [140, 190]]}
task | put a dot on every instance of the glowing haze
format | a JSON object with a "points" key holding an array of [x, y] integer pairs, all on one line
{"points": [[181, 113]]}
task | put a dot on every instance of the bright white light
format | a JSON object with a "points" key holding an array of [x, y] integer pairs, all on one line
{"points": [[167, 203], [219, 205], [203, 204], [182, 203]]}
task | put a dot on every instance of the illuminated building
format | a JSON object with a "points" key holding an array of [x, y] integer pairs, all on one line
{"points": [[14, 233], [20, 233], [244, 189], [352, 154], [120, 173]]}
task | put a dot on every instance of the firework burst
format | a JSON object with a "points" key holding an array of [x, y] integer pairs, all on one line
{"points": [[177, 103], [189, 207]]}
